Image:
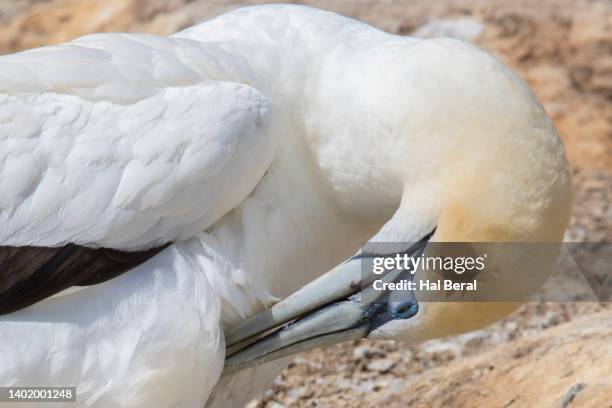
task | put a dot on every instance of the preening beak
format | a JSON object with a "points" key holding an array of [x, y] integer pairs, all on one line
{"points": [[339, 306]]}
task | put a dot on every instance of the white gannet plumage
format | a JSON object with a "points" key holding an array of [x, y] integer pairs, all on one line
{"points": [[266, 145]]}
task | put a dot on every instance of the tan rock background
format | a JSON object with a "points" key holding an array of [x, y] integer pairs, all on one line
{"points": [[544, 355]]}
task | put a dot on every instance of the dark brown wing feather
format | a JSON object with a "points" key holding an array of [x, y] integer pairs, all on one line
{"points": [[30, 274]]}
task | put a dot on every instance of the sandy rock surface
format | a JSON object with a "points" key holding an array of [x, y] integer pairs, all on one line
{"points": [[566, 365], [545, 354]]}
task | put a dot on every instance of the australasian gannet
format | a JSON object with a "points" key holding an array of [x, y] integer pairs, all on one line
{"points": [[227, 166]]}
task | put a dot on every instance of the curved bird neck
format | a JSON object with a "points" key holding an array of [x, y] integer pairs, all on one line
{"points": [[327, 77], [316, 206]]}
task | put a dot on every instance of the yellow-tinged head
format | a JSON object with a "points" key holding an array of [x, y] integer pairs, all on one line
{"points": [[476, 161]]}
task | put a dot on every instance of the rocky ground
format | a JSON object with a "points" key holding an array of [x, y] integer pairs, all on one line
{"points": [[545, 354]]}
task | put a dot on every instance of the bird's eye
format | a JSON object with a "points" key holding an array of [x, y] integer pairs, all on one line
{"points": [[404, 309]]}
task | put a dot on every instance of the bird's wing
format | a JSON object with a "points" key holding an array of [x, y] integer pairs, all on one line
{"points": [[149, 338], [113, 146]]}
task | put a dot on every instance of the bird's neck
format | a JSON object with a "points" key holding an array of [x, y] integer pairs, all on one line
{"points": [[315, 207], [325, 75]]}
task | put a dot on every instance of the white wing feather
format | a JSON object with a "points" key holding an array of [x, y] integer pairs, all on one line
{"points": [[148, 338], [126, 141]]}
